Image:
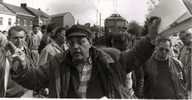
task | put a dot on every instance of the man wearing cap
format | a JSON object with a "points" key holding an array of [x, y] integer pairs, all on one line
{"points": [[83, 71]]}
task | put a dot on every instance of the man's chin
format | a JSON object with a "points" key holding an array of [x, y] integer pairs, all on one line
{"points": [[77, 59], [163, 58], [18, 46]]}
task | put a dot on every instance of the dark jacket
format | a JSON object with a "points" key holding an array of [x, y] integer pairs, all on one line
{"points": [[14, 89], [175, 74], [138, 82], [62, 79], [113, 52]]}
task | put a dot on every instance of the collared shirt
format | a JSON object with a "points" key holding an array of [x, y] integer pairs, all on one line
{"points": [[85, 75]]}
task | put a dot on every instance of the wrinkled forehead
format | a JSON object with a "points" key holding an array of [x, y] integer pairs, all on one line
{"points": [[77, 38], [164, 45]]}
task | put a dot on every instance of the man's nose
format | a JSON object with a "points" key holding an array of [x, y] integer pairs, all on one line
{"points": [[19, 39], [75, 45], [164, 52]]}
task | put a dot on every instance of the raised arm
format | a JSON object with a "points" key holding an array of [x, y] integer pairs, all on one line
{"points": [[143, 49]]}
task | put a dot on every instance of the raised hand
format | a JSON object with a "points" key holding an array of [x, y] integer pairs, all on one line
{"points": [[18, 56], [152, 26]]}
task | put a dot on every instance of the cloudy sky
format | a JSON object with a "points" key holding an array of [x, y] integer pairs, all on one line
{"points": [[86, 10]]}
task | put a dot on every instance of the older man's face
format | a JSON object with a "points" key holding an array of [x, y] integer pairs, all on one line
{"points": [[79, 48], [163, 50], [17, 38]]}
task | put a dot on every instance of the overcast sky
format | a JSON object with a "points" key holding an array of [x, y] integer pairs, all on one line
{"points": [[86, 10]]}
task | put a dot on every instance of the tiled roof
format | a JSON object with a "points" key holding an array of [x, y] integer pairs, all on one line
{"points": [[18, 10], [5, 10], [61, 14], [38, 12]]}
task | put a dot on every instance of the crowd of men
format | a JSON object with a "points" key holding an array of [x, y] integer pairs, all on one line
{"points": [[55, 62]]}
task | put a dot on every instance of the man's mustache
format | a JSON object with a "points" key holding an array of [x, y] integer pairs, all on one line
{"points": [[77, 53]]}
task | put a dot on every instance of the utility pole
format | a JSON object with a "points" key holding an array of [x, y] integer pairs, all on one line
{"points": [[97, 14], [100, 19], [115, 6]]}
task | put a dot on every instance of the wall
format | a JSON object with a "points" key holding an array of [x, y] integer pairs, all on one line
{"points": [[25, 22], [68, 20], [58, 20], [63, 20], [5, 25]]}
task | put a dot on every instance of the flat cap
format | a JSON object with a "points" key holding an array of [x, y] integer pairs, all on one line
{"points": [[78, 31]]}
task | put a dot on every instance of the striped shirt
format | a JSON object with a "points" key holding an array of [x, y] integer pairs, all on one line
{"points": [[85, 75]]}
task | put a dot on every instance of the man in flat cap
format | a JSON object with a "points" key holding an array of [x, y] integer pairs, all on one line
{"points": [[83, 71]]}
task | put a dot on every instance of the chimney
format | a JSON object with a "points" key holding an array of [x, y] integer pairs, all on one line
{"points": [[24, 5]]}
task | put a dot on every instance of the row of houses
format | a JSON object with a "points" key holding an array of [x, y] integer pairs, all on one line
{"points": [[11, 15]]}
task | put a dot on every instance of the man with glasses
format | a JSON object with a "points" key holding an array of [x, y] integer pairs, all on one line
{"points": [[163, 74], [16, 38]]}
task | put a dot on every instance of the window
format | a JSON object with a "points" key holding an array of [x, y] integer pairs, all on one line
{"points": [[18, 21], [25, 22], [1, 20], [31, 23], [9, 21]]}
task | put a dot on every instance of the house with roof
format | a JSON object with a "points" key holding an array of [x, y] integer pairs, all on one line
{"points": [[26, 16], [7, 18], [41, 18], [23, 17], [63, 19]]}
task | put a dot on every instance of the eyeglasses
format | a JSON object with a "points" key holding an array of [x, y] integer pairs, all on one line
{"points": [[79, 41], [164, 49]]}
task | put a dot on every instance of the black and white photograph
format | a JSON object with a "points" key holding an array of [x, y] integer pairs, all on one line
{"points": [[95, 49]]}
